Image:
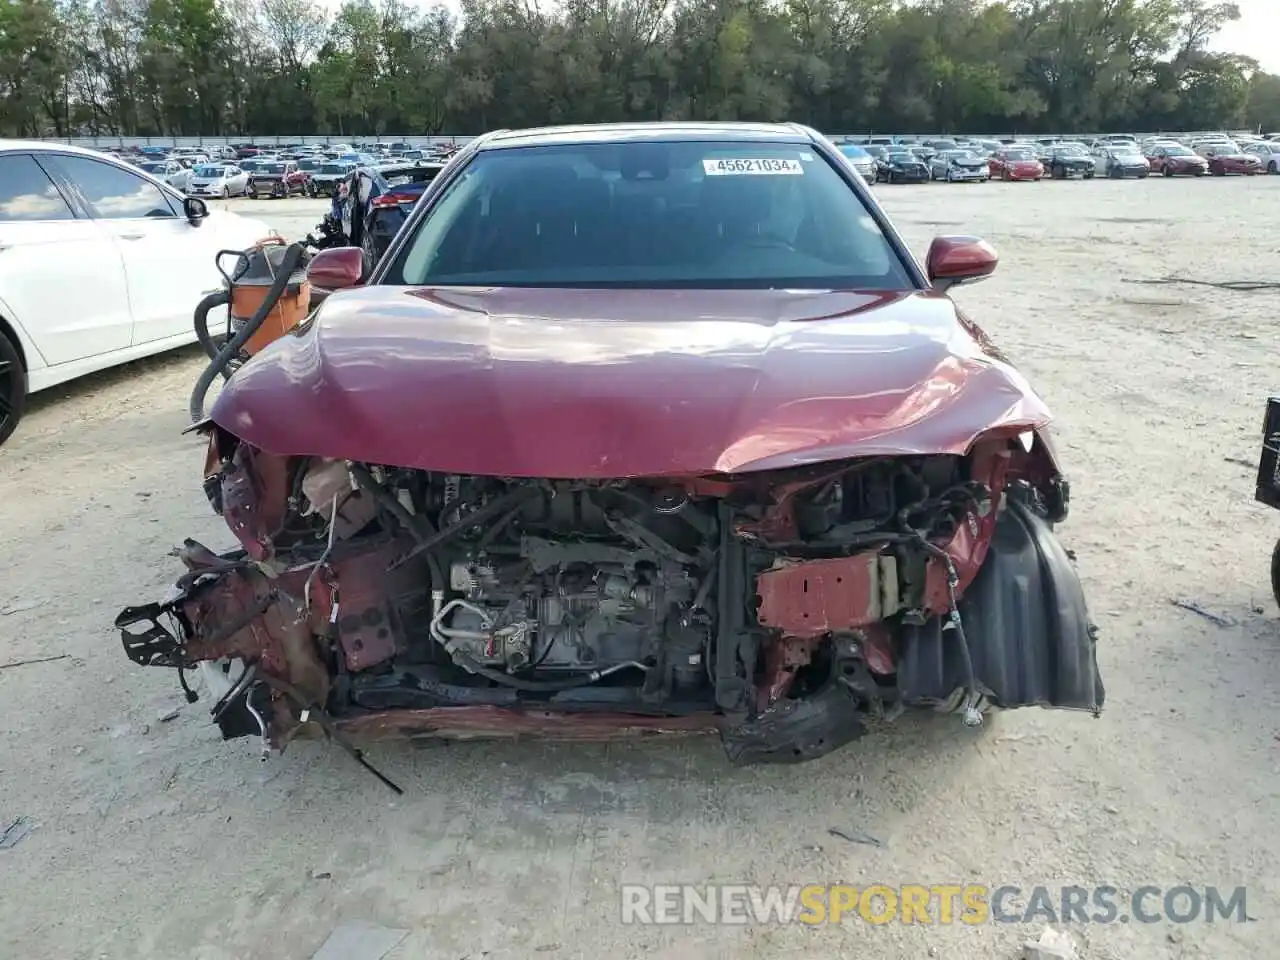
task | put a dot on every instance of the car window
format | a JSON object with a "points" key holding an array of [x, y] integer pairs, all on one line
{"points": [[113, 193], [655, 214], [27, 193]]}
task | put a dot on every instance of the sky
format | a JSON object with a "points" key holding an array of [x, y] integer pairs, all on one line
{"points": [[1256, 34]]}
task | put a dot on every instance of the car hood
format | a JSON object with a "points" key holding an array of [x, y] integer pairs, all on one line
{"points": [[593, 383]]}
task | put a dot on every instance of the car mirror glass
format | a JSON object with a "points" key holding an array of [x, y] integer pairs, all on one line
{"points": [[195, 209]]}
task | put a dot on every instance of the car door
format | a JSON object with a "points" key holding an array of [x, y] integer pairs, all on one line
{"points": [[167, 260], [62, 277]]}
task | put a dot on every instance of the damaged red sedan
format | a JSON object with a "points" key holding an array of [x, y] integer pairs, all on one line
{"points": [[633, 430]]}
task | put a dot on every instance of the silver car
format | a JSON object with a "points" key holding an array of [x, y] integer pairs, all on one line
{"points": [[168, 171], [1268, 154], [862, 161], [960, 164], [218, 180]]}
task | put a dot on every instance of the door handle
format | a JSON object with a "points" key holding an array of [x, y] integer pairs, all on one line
{"points": [[132, 236]]}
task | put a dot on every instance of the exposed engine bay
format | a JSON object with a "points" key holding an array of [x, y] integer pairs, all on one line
{"points": [[783, 610]]}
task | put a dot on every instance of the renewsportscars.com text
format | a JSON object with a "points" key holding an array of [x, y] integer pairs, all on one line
{"points": [[943, 904]]}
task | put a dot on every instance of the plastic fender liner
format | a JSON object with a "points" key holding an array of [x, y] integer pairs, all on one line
{"points": [[1027, 625]]}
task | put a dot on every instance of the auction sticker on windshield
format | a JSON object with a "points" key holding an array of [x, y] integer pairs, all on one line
{"points": [[772, 166]]}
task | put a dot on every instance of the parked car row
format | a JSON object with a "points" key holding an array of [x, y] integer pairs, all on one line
{"points": [[1116, 156]]}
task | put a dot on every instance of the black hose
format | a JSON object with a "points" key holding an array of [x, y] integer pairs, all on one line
{"points": [[219, 298], [284, 274]]}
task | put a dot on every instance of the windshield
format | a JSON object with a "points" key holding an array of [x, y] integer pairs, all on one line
{"points": [[966, 156], [854, 153], [875, 150], [707, 215], [1126, 153], [902, 156], [334, 168], [271, 168], [208, 172], [1018, 155], [153, 167], [308, 164], [1179, 152]]}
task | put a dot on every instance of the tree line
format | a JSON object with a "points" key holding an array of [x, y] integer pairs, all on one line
{"points": [[281, 67]]}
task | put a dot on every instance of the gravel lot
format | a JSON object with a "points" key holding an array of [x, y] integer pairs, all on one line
{"points": [[155, 839]]}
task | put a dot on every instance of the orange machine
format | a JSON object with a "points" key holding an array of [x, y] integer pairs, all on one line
{"points": [[266, 294], [249, 282]]}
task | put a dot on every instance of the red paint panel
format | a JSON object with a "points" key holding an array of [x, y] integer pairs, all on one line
{"points": [[624, 383], [820, 596]]}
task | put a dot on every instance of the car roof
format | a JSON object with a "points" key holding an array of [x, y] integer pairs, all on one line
{"points": [[622, 132]]}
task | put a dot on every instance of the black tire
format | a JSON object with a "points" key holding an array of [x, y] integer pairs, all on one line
{"points": [[1088, 174], [1272, 168], [226, 193], [1167, 170], [13, 388]]}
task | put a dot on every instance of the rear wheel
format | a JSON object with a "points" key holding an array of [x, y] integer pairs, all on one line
{"points": [[1167, 170], [13, 387], [226, 192]]}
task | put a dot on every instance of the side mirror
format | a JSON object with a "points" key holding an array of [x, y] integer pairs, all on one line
{"points": [[336, 268], [955, 260], [194, 208]]}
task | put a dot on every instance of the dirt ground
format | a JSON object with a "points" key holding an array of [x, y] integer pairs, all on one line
{"points": [[154, 839]]}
